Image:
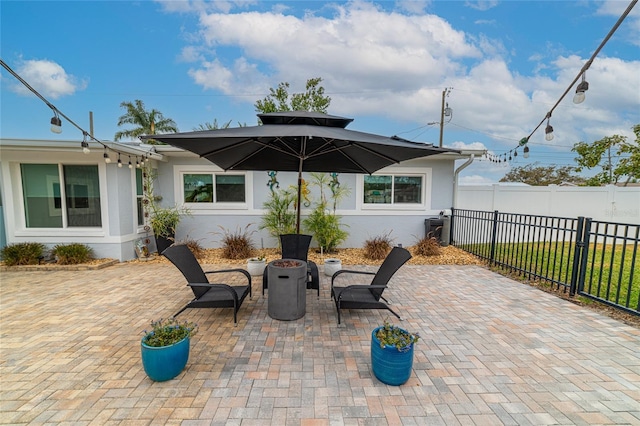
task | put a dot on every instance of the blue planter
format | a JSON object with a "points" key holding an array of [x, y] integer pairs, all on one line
{"points": [[165, 362], [390, 365]]}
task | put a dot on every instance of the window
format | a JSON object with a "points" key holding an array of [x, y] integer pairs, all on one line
{"points": [[58, 196], [393, 189], [139, 197], [199, 188]]}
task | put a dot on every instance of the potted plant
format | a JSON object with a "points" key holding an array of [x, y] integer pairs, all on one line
{"points": [[256, 265], [392, 353], [164, 222], [165, 349]]}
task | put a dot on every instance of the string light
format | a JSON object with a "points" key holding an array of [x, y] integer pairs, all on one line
{"points": [[578, 98], [119, 161], [56, 121], [548, 131], [85, 144], [582, 87]]}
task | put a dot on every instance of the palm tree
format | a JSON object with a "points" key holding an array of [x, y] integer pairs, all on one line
{"points": [[212, 126], [147, 122]]}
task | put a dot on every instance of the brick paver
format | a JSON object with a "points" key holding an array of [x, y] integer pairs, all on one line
{"points": [[492, 351]]}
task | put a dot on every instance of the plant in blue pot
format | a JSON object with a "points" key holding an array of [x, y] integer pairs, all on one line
{"points": [[392, 353], [165, 349]]}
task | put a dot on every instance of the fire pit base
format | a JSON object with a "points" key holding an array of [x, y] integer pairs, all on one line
{"points": [[287, 289]]}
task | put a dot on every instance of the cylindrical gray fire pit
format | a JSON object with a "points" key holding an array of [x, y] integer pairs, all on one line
{"points": [[287, 289]]}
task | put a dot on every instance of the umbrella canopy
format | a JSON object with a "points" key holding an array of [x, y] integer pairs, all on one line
{"points": [[299, 141]]}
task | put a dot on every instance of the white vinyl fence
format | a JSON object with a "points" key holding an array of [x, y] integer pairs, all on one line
{"points": [[606, 203]]}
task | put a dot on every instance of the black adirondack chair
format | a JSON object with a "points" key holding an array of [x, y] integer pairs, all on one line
{"points": [[207, 295], [296, 246], [369, 296]]}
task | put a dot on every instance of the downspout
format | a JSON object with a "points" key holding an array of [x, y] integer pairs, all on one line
{"points": [[455, 178]]}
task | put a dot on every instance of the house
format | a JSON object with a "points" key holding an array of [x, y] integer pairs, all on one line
{"points": [[53, 192]]}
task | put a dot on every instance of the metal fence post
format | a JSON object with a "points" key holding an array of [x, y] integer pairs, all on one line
{"points": [[494, 236], [577, 256], [453, 215], [585, 254]]}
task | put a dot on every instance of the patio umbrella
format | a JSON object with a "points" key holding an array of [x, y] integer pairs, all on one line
{"points": [[299, 141]]}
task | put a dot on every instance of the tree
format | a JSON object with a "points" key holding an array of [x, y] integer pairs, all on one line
{"points": [[212, 126], [147, 122], [625, 162], [533, 174], [215, 126], [313, 99]]}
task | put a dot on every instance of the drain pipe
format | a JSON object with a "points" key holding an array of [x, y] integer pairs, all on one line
{"points": [[455, 178]]}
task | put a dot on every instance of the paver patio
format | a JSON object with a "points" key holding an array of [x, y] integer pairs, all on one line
{"points": [[492, 351]]}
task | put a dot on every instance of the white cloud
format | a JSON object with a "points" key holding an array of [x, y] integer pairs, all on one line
{"points": [[48, 78], [476, 180], [379, 63], [482, 4], [464, 145]]}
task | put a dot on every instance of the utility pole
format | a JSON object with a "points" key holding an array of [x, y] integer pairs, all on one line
{"points": [[444, 111]]}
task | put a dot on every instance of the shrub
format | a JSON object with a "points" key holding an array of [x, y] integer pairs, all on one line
{"points": [[238, 244], [279, 217], [22, 253], [168, 332], [377, 248], [72, 254], [427, 247], [194, 246]]}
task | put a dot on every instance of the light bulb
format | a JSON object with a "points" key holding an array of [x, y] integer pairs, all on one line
{"points": [[578, 98], [526, 152], [107, 159], [119, 161], [56, 124], [548, 132], [85, 147]]}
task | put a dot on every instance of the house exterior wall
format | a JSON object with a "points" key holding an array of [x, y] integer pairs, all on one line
{"points": [[404, 224], [119, 231], [114, 239]]}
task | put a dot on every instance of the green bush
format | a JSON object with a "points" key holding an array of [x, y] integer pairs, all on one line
{"points": [[279, 217], [377, 248], [22, 253], [238, 244], [326, 228], [72, 254]]}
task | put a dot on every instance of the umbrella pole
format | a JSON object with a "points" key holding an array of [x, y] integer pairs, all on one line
{"points": [[299, 197], [304, 148], [298, 209]]}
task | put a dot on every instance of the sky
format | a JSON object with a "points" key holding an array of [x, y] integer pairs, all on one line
{"points": [[384, 64]]}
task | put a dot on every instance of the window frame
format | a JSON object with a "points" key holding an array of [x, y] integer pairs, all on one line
{"points": [[181, 170], [22, 231], [424, 173]]}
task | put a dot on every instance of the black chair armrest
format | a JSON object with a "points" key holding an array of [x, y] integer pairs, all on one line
{"points": [[348, 271]]}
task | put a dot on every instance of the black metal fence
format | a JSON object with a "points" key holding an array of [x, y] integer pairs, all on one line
{"points": [[595, 259]]}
